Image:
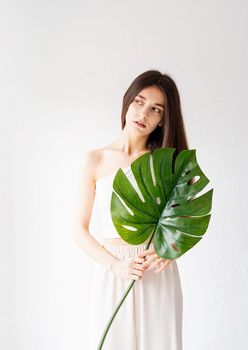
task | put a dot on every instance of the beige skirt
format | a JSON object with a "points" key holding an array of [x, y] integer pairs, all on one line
{"points": [[152, 313]]}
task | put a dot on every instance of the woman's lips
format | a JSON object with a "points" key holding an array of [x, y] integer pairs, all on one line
{"points": [[139, 124]]}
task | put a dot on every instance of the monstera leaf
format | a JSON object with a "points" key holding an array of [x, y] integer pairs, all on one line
{"points": [[162, 206]]}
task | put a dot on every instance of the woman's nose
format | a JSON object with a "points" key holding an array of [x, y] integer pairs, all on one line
{"points": [[143, 113]]}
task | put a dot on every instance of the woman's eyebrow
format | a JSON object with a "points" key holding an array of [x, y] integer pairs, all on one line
{"points": [[157, 104]]}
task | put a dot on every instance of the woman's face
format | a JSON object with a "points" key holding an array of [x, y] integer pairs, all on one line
{"points": [[146, 110]]}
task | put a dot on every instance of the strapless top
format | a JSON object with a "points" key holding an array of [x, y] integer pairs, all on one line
{"points": [[102, 201]]}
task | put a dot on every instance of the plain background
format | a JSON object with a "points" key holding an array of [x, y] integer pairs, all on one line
{"points": [[65, 66]]}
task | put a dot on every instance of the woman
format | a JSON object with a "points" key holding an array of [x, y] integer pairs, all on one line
{"points": [[151, 315]]}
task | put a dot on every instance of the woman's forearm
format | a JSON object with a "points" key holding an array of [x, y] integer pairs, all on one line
{"points": [[94, 249]]}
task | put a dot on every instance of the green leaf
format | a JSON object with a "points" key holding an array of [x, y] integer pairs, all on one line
{"points": [[162, 203]]}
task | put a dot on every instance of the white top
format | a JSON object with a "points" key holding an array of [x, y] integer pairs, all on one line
{"points": [[102, 201]]}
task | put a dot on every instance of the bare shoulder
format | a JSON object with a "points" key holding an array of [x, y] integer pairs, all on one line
{"points": [[89, 162], [100, 162], [90, 158], [94, 160], [104, 161]]}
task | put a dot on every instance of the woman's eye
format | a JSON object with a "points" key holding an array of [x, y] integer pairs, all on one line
{"points": [[158, 110]]}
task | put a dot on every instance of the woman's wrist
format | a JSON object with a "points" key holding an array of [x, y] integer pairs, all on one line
{"points": [[112, 264]]}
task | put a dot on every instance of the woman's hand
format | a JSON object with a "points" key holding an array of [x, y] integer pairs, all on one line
{"points": [[153, 260], [130, 268]]}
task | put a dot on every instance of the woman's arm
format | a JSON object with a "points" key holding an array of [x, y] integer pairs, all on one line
{"points": [[84, 204], [130, 268]]}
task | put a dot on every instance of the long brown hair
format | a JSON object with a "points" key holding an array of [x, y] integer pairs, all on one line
{"points": [[172, 133]]}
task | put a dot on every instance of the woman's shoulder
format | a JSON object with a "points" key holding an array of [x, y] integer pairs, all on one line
{"points": [[89, 159], [102, 161], [95, 155], [94, 158]]}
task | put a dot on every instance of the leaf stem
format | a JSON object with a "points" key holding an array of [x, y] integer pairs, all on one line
{"points": [[120, 303]]}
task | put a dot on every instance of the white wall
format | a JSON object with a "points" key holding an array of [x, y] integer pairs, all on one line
{"points": [[65, 66]]}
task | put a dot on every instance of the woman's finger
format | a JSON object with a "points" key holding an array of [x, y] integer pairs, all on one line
{"points": [[163, 265], [136, 272], [138, 266], [149, 260], [139, 260], [152, 265], [146, 252]]}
